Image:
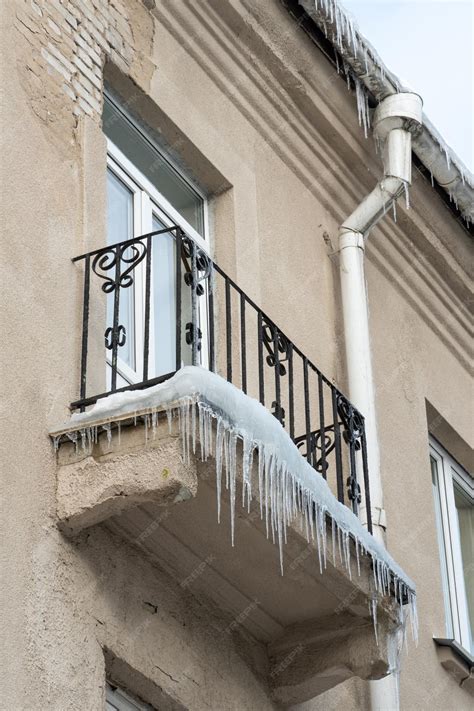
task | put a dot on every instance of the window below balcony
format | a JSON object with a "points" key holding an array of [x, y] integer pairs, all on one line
{"points": [[453, 490]]}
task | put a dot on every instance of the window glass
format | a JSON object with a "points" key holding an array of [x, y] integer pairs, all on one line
{"points": [[442, 550], [465, 520], [119, 229], [154, 166], [453, 490], [164, 301]]}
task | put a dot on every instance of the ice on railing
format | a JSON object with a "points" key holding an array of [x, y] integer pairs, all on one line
{"points": [[288, 489]]}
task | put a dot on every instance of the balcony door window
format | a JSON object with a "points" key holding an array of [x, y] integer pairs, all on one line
{"points": [[453, 490], [145, 193]]}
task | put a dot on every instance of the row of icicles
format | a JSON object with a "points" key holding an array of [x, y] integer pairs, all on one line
{"points": [[283, 500]]}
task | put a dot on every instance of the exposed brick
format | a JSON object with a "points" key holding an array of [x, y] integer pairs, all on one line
{"points": [[60, 57], [55, 64], [54, 26], [67, 90], [70, 19], [84, 56], [95, 78], [100, 39], [92, 51], [80, 79], [92, 102], [85, 106]]}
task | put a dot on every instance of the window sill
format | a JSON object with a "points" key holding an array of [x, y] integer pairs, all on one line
{"points": [[457, 661]]}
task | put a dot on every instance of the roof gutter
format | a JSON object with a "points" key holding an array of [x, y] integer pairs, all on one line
{"points": [[370, 72]]}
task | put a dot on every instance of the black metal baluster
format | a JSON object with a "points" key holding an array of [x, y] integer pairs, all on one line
{"points": [[179, 247], [194, 316], [291, 403], [261, 377], [210, 301], [85, 329], [228, 330], [321, 424], [353, 475], [365, 469], [307, 410], [337, 441], [278, 408], [146, 336], [115, 334], [243, 344]]}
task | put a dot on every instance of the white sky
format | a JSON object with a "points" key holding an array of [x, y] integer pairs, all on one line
{"points": [[428, 44]]}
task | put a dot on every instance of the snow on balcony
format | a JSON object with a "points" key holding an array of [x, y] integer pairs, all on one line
{"points": [[213, 416]]}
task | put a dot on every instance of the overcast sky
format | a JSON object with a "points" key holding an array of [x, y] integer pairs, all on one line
{"points": [[429, 45]]}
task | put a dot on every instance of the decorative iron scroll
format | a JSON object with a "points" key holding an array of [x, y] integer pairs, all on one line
{"points": [[351, 420], [202, 261], [353, 490], [112, 258], [280, 347], [278, 411], [319, 463], [353, 424], [190, 335], [117, 337]]}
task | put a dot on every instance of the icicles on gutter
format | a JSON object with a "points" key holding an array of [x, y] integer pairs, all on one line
{"points": [[362, 106]]}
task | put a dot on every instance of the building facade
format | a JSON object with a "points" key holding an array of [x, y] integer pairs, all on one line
{"points": [[228, 131]]}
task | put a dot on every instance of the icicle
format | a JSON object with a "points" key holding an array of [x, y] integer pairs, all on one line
{"points": [[407, 195], [169, 417], [339, 543], [232, 479], [193, 427], [56, 443], [432, 179], [246, 461], [394, 207], [373, 612], [108, 428], [119, 432], [219, 446], [260, 478], [357, 556]]}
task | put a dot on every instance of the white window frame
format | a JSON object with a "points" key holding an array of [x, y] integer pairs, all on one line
{"points": [[148, 201], [456, 609], [117, 700]]}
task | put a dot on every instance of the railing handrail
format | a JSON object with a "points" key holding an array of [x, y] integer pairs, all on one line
{"points": [[280, 352]]}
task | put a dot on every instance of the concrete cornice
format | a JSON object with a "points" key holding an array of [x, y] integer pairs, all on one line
{"points": [[257, 57]]}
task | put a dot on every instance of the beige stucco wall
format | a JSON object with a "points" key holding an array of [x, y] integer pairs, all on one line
{"points": [[270, 131]]}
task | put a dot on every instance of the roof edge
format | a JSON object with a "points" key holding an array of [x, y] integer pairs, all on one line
{"points": [[373, 78]]}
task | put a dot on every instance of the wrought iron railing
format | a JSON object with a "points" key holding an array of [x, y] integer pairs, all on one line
{"points": [[219, 326]]}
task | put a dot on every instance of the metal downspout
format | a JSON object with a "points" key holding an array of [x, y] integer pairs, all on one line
{"points": [[396, 117]]}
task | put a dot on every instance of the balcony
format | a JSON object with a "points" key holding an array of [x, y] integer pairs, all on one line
{"points": [[220, 405]]}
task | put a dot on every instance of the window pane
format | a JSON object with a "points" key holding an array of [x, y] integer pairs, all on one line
{"points": [[120, 228], [164, 300], [154, 166], [442, 542], [465, 513]]}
